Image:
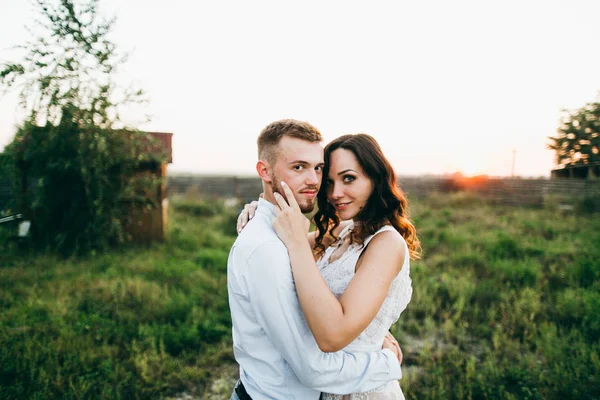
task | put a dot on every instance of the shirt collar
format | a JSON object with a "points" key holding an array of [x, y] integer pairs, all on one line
{"points": [[266, 207]]}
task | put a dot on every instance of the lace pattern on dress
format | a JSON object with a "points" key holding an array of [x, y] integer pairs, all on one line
{"points": [[389, 391], [337, 275]]}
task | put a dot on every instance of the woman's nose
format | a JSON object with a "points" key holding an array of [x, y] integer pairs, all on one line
{"points": [[336, 191]]}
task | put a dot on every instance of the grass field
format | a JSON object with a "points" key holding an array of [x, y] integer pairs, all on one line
{"points": [[505, 306]]}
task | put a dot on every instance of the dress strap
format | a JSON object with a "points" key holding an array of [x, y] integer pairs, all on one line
{"points": [[390, 228], [382, 229]]}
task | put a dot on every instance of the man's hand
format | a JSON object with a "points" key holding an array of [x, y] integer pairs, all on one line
{"points": [[390, 343]]}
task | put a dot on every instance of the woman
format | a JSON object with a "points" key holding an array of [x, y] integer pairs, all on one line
{"points": [[360, 282]]}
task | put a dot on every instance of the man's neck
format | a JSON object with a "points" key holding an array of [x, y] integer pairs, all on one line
{"points": [[268, 194]]}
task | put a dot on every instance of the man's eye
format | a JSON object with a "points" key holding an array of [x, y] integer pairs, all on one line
{"points": [[298, 167], [319, 168]]}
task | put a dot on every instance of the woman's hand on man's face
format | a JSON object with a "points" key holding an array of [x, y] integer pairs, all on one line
{"points": [[290, 224]]}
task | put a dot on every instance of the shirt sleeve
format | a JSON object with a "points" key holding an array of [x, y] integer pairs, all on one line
{"points": [[274, 300]]}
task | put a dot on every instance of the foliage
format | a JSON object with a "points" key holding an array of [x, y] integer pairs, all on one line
{"points": [[81, 184], [70, 63], [504, 307], [578, 138], [76, 170], [9, 184]]}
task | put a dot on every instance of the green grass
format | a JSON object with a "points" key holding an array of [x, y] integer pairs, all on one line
{"points": [[137, 323], [505, 306], [505, 303]]}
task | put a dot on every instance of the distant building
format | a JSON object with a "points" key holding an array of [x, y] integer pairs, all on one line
{"points": [[146, 214], [582, 171], [148, 224]]}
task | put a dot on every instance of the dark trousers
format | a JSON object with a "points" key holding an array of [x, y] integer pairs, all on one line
{"points": [[239, 392]]}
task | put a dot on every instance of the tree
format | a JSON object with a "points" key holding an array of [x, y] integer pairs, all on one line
{"points": [[75, 168], [578, 137], [71, 63]]}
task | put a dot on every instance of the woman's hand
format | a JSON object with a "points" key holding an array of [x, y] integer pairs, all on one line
{"points": [[290, 224], [247, 214]]}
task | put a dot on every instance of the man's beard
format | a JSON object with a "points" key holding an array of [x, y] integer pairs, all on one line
{"points": [[306, 205]]}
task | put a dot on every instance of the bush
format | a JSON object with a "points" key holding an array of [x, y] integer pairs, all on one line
{"points": [[81, 182], [587, 206], [76, 172]]}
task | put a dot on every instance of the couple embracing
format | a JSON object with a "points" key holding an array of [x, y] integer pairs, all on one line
{"points": [[311, 311]]}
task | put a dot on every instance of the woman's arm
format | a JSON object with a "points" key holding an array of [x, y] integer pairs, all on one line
{"points": [[335, 323]]}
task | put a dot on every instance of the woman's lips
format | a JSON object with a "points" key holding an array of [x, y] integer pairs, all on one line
{"points": [[341, 206]]}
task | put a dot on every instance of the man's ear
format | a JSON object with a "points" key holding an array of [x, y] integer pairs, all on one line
{"points": [[264, 171]]}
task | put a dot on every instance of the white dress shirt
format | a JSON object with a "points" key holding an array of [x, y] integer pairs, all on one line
{"points": [[272, 343]]}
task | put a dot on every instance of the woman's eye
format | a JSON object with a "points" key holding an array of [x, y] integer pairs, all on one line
{"points": [[328, 181], [348, 178]]}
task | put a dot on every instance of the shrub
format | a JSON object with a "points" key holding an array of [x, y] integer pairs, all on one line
{"points": [[587, 206], [76, 172], [81, 183]]}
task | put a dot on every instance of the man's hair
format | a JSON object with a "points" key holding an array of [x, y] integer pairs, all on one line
{"points": [[269, 138]]}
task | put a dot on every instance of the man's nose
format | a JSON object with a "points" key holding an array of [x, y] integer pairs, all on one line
{"points": [[313, 178]]}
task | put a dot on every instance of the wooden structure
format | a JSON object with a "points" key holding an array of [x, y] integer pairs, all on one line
{"points": [[147, 221], [581, 171]]}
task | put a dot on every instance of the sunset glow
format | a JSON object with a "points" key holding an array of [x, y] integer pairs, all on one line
{"points": [[443, 86]]}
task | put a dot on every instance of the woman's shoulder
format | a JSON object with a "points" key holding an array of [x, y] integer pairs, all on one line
{"points": [[389, 234], [385, 249], [387, 240]]}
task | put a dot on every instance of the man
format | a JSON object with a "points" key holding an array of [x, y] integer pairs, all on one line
{"points": [[277, 354]]}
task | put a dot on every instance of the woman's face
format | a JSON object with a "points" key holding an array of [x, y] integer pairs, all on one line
{"points": [[348, 187]]}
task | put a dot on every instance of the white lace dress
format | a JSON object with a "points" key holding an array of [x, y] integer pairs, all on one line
{"points": [[338, 274]]}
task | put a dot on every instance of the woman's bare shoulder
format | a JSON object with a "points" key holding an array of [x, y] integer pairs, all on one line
{"points": [[386, 249]]}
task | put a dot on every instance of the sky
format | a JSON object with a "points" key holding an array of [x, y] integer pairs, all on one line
{"points": [[465, 86]]}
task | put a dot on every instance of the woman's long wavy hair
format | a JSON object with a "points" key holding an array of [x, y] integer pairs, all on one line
{"points": [[386, 205]]}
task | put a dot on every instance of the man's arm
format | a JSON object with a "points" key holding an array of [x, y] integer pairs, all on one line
{"points": [[273, 298]]}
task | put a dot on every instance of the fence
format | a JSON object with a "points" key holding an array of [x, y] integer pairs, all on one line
{"points": [[496, 190], [244, 188]]}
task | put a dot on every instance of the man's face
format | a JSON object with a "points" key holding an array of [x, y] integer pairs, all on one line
{"points": [[300, 165]]}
